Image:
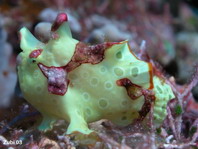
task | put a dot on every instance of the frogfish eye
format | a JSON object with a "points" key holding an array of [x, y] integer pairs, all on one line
{"points": [[33, 61]]}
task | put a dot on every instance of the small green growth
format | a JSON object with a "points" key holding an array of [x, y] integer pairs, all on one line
{"points": [[192, 131], [120, 138], [178, 110], [169, 131], [158, 130]]}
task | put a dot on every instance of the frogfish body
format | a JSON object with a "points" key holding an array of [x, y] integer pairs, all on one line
{"points": [[70, 80]]}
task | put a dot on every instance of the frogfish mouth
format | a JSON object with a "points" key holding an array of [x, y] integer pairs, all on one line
{"points": [[56, 79]]}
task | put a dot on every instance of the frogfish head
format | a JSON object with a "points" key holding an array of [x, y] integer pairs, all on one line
{"points": [[57, 52], [48, 58]]}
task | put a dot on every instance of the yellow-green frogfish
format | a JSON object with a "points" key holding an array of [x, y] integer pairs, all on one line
{"points": [[80, 83]]}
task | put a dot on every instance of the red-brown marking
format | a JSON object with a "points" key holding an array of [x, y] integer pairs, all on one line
{"points": [[135, 91], [35, 53], [149, 97], [145, 110], [150, 75], [60, 19], [88, 54], [56, 77]]}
